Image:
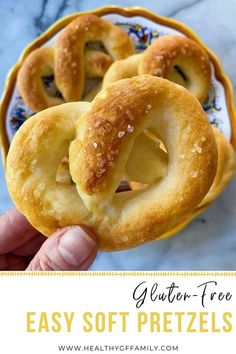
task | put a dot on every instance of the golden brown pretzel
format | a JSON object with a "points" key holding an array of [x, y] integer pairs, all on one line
{"points": [[225, 167], [105, 132], [176, 58], [155, 165], [39, 64], [69, 61]]}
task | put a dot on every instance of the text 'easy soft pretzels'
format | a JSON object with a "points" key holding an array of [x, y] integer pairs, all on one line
{"points": [[100, 137], [70, 61]]}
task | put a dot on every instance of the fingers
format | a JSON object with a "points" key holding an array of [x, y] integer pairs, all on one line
{"points": [[12, 262], [31, 247], [15, 230], [72, 248]]}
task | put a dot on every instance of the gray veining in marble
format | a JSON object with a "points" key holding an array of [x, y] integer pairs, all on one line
{"points": [[209, 242]]}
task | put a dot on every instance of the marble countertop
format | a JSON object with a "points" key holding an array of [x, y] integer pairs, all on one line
{"points": [[209, 242]]}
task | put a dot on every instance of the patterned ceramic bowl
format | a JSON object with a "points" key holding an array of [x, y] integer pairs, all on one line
{"points": [[143, 27]]}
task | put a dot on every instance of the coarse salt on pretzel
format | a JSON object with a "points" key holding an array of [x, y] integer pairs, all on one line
{"points": [[39, 64], [69, 51], [100, 137], [176, 58], [70, 61]]}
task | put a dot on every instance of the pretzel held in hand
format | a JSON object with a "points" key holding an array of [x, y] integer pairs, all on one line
{"points": [[155, 164], [176, 58], [100, 137], [70, 61]]}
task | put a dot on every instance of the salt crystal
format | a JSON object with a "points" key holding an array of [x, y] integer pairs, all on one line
{"points": [[196, 148], [101, 163], [120, 134], [203, 138], [148, 108], [125, 238], [95, 145], [130, 128]]}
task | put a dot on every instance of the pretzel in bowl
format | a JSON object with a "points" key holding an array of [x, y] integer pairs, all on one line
{"points": [[176, 58], [70, 61], [155, 164], [100, 137]]}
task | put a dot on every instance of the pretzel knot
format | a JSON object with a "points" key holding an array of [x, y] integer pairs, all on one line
{"points": [[178, 59], [70, 61], [101, 137]]}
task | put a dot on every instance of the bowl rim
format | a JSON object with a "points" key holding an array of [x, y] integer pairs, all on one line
{"points": [[126, 12], [101, 11]]}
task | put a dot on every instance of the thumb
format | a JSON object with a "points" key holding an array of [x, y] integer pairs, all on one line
{"points": [[71, 248]]}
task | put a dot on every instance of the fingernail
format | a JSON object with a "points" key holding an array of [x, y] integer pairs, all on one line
{"points": [[76, 245]]}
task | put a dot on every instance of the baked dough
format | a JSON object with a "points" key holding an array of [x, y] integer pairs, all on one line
{"points": [[70, 61], [155, 164], [100, 137], [176, 58], [225, 167]]}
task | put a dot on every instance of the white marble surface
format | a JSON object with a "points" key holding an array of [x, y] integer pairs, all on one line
{"points": [[209, 242]]}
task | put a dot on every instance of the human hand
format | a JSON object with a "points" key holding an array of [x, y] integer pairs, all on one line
{"points": [[22, 247]]}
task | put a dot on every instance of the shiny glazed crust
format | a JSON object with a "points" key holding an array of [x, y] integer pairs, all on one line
{"points": [[100, 137]]}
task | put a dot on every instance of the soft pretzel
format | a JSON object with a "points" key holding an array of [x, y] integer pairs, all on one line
{"points": [[225, 167], [155, 165], [176, 58], [70, 61], [100, 137], [39, 64]]}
